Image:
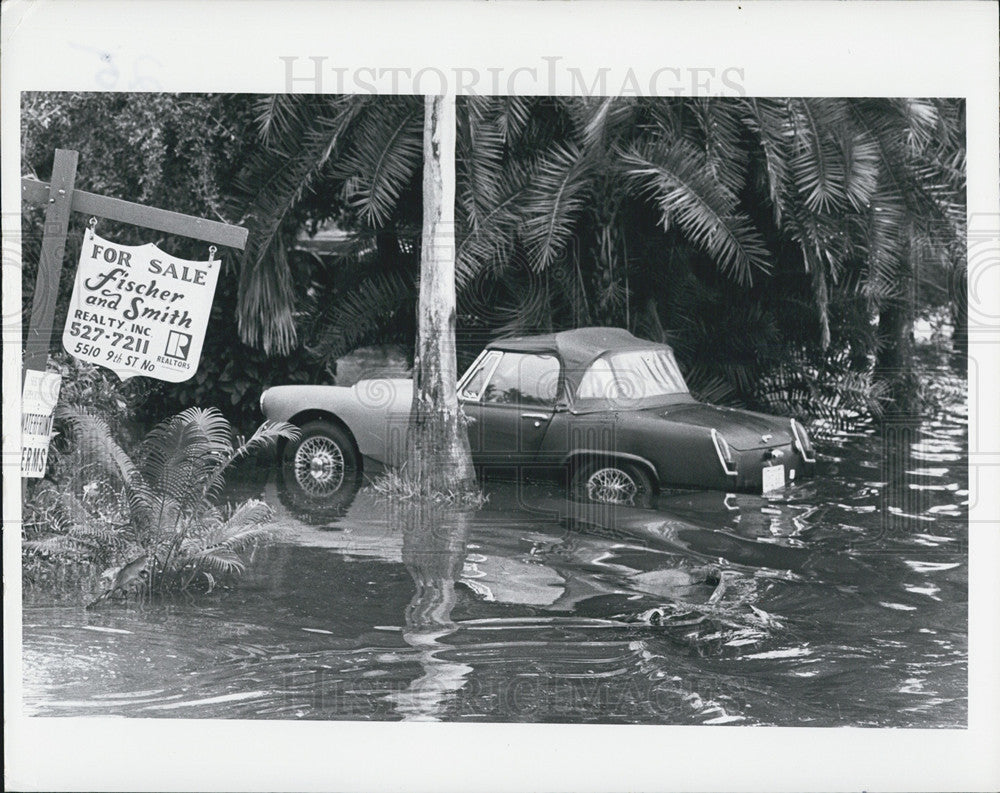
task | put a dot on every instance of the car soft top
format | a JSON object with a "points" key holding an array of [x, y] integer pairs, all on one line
{"points": [[577, 349]]}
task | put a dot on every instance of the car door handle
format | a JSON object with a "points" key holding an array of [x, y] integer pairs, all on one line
{"points": [[537, 417]]}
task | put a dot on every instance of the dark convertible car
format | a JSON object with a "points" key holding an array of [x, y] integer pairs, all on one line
{"points": [[611, 409]]}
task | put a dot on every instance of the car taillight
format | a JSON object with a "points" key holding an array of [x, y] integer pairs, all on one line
{"points": [[725, 453], [802, 442]]}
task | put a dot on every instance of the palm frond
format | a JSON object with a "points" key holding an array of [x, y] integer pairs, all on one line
{"points": [[480, 158], [513, 116], [362, 312], [278, 117], [219, 549], [675, 177], [719, 134], [817, 164], [266, 303], [177, 455], [165, 510], [212, 425], [302, 133], [525, 306], [97, 443], [223, 561], [492, 241], [598, 122], [885, 245], [556, 194], [800, 388], [266, 436], [385, 152], [860, 153], [767, 119]]}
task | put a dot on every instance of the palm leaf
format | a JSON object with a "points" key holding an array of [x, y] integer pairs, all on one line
{"points": [[553, 199], [361, 313], [719, 133], [177, 457], [302, 134], [97, 443], [513, 116], [675, 177], [767, 119], [817, 166], [266, 436], [385, 152], [479, 158], [492, 241]]}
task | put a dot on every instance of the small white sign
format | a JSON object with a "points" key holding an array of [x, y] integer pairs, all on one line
{"points": [[139, 311], [38, 400], [774, 477]]}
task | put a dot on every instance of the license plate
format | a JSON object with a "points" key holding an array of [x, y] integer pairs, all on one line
{"points": [[774, 477]]}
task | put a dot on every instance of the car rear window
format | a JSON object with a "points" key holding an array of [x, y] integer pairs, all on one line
{"points": [[632, 375]]}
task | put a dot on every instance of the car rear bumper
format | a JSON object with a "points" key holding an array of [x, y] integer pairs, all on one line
{"points": [[751, 465]]}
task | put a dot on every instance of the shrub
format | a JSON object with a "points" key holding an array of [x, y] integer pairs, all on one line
{"points": [[154, 519]]}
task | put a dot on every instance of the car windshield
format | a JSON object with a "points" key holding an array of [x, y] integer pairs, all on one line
{"points": [[632, 375]]}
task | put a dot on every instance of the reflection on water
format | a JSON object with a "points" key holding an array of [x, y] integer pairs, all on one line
{"points": [[839, 601], [434, 542]]}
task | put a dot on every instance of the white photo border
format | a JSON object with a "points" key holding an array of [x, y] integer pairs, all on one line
{"points": [[760, 48]]}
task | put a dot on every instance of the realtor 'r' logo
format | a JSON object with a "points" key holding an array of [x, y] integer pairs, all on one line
{"points": [[178, 345]]}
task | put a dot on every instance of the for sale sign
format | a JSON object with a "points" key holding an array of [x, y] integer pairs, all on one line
{"points": [[38, 400], [138, 310]]}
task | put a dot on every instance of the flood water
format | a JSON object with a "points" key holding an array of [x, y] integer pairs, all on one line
{"points": [[844, 603]]}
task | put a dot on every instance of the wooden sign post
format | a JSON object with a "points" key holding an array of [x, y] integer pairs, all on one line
{"points": [[59, 194], [60, 198]]}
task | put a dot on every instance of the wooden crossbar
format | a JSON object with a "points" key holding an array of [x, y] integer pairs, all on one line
{"points": [[36, 192]]}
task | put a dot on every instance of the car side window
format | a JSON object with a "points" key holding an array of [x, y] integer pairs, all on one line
{"points": [[477, 377], [524, 379]]}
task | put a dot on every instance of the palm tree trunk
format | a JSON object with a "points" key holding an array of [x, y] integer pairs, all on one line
{"points": [[438, 457]]}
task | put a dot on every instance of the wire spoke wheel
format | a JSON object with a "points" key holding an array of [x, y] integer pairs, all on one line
{"points": [[319, 466], [611, 486]]}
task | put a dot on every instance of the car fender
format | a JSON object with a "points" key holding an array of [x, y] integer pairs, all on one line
{"points": [[376, 412], [675, 453], [683, 454], [578, 454]]}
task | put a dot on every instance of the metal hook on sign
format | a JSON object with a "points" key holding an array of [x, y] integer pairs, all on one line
{"points": [[211, 254], [93, 225]]}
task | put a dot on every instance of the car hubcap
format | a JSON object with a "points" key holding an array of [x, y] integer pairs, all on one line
{"points": [[319, 466], [611, 486]]}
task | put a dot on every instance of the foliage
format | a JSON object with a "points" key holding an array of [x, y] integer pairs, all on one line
{"points": [[396, 485], [756, 235], [154, 513], [93, 389]]}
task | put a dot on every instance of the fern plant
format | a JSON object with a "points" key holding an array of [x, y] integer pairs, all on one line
{"points": [[160, 514]]}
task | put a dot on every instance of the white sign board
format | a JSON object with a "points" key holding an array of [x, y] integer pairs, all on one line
{"points": [[139, 311], [38, 400]]}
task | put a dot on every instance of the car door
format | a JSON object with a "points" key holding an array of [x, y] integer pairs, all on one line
{"points": [[510, 404]]}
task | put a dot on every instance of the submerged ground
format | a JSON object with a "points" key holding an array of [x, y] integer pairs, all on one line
{"points": [[845, 603]]}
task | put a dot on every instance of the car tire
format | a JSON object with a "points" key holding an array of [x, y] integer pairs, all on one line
{"points": [[612, 482], [321, 464]]}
